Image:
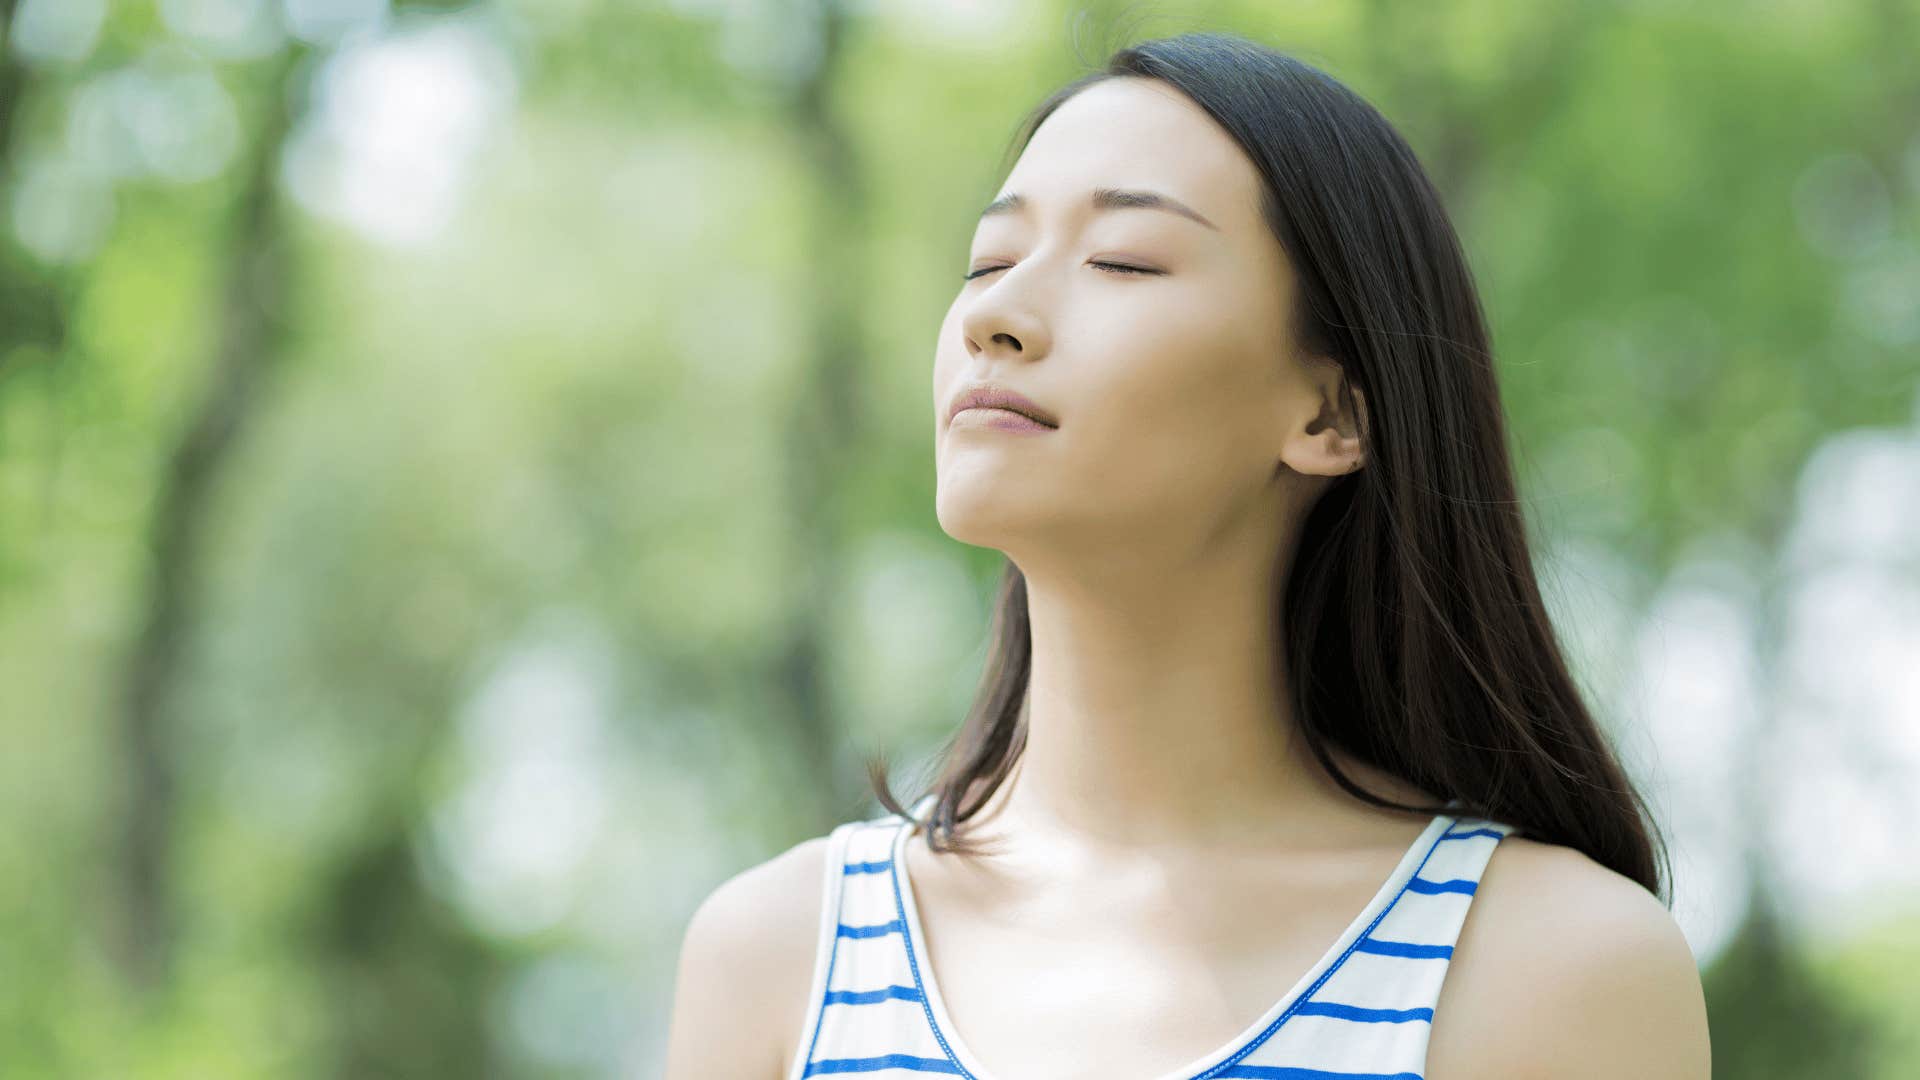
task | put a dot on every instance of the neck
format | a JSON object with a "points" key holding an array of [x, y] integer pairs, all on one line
{"points": [[1159, 716]]}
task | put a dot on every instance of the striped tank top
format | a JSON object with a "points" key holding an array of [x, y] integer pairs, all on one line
{"points": [[1362, 1012]]}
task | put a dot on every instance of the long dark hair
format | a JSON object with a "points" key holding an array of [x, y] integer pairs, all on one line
{"points": [[1415, 630]]}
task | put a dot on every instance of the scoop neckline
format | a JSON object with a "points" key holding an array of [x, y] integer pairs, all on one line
{"points": [[1250, 1037]]}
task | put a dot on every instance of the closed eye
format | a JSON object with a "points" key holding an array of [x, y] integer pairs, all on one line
{"points": [[1107, 267]]}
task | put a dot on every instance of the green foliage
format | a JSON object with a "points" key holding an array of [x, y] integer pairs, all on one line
{"points": [[1772, 1013]]}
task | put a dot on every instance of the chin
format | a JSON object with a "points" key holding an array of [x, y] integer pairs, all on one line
{"points": [[984, 517]]}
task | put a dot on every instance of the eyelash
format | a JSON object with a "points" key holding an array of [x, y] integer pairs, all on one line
{"points": [[1107, 267]]}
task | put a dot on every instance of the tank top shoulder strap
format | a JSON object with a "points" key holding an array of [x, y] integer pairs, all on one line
{"points": [[1382, 995], [859, 957]]}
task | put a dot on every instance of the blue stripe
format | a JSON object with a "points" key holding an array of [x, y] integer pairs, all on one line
{"points": [[879, 867], [1495, 833], [1287, 1073], [1411, 949], [875, 1064], [1434, 888], [1282, 1072], [869, 997], [1364, 1016], [876, 930]]}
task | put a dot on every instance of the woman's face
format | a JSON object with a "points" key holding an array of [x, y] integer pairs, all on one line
{"points": [[1176, 391]]}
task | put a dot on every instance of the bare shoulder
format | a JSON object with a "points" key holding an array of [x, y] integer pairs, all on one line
{"points": [[747, 955], [1565, 969]]}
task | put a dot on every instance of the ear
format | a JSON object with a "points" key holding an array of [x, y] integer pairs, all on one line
{"points": [[1323, 438]]}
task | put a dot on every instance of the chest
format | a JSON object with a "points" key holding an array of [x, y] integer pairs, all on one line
{"points": [[1129, 983], [1077, 1008]]}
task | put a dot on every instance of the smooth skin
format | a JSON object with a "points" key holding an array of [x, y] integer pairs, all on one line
{"points": [[1163, 794]]}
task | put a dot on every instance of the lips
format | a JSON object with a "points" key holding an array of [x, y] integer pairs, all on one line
{"points": [[988, 396], [1002, 419]]}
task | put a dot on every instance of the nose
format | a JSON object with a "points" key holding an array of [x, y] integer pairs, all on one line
{"points": [[997, 324]]}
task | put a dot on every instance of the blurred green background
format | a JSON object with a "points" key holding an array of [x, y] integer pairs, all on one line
{"points": [[466, 482]]}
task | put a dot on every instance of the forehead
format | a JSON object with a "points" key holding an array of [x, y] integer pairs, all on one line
{"points": [[1134, 132]]}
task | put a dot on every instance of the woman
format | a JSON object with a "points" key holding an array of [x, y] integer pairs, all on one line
{"points": [[1273, 696]]}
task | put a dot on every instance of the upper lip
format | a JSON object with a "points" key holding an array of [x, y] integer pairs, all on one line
{"points": [[989, 396]]}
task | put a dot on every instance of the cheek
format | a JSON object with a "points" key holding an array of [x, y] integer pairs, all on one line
{"points": [[1180, 413], [1184, 421], [1184, 369]]}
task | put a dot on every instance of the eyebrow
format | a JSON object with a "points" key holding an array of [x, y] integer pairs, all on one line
{"points": [[1108, 199]]}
